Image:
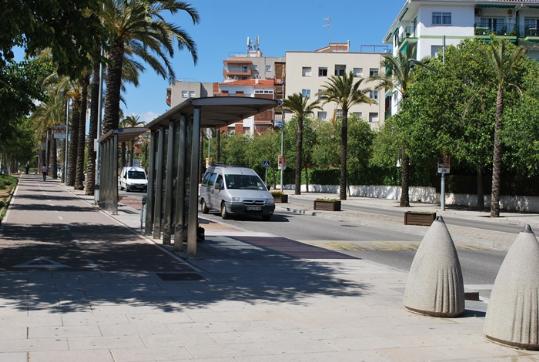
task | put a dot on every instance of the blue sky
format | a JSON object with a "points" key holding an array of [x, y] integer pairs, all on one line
{"points": [[281, 24]]}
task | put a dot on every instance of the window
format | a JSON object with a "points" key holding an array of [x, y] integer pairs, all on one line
{"points": [[321, 115], [358, 72], [373, 94], [211, 179], [340, 69], [185, 94], [219, 182], [240, 92], [373, 117], [441, 18], [192, 94], [306, 92], [373, 72], [322, 71], [136, 175], [268, 67], [531, 26], [357, 115], [319, 93], [306, 71], [244, 182], [338, 113], [435, 50]]}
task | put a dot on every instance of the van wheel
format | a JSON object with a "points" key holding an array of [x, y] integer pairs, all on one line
{"points": [[203, 207], [224, 213]]}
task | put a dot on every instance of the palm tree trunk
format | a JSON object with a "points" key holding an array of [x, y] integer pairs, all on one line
{"points": [[344, 154], [299, 154], [131, 153], [54, 159], [92, 132], [218, 147], [405, 180], [114, 84], [497, 158], [74, 142], [81, 141], [122, 154], [49, 153], [480, 189]]}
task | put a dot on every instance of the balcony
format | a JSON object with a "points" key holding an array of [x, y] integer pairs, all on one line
{"points": [[506, 29], [531, 34]]}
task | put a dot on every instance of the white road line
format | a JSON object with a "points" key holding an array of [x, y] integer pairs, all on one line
{"points": [[60, 218]]}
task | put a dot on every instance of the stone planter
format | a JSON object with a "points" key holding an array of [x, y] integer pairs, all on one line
{"points": [[327, 205], [419, 218], [280, 199]]}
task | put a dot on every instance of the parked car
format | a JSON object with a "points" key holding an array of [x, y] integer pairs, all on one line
{"points": [[235, 190], [133, 179]]}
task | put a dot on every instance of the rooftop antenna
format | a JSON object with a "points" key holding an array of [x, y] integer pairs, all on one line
{"points": [[249, 45], [257, 43]]}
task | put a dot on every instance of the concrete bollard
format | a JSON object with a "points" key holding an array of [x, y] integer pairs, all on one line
{"points": [[513, 310], [435, 286]]}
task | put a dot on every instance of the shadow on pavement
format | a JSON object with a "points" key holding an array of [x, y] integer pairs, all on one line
{"points": [[107, 264], [42, 207], [48, 197]]}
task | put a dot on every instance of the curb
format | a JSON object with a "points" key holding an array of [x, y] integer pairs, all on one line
{"points": [[10, 198]]}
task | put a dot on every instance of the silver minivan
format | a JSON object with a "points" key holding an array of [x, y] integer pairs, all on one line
{"points": [[235, 190]]}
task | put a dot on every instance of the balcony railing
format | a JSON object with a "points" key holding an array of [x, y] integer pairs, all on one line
{"points": [[531, 31], [500, 28]]}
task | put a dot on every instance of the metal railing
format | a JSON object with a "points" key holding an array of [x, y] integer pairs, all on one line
{"points": [[496, 28]]}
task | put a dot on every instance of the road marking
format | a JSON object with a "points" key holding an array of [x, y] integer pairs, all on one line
{"points": [[60, 218], [41, 263]]}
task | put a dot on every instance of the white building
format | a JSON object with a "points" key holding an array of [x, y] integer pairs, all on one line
{"points": [[424, 25], [308, 71], [181, 90]]}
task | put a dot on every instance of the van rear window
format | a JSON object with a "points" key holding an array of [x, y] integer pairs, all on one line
{"points": [[136, 175]]}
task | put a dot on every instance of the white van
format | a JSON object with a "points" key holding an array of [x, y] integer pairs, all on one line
{"points": [[235, 190], [133, 178]]}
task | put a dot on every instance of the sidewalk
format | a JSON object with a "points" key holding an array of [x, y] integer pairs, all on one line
{"points": [[261, 298]]}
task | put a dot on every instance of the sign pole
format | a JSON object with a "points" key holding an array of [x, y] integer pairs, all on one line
{"points": [[442, 191], [282, 154]]}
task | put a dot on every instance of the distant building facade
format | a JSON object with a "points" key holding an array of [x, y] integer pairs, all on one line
{"points": [[181, 90], [308, 71]]}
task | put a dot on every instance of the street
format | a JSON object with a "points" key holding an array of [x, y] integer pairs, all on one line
{"points": [[478, 266]]}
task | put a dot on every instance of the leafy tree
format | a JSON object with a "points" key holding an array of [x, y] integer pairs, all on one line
{"points": [[361, 141], [345, 91], [234, 149], [68, 28], [325, 154], [81, 138], [138, 28], [300, 107], [262, 147], [505, 61]]}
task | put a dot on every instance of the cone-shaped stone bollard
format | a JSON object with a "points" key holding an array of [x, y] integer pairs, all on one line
{"points": [[513, 310], [435, 285]]}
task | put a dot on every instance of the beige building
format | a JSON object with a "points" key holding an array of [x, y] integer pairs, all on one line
{"points": [[181, 90], [308, 71]]}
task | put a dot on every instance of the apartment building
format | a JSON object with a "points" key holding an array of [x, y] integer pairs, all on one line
{"points": [[425, 25], [308, 71], [181, 90], [257, 88]]}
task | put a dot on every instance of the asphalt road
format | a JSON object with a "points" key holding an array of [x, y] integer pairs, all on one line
{"points": [[479, 266]]}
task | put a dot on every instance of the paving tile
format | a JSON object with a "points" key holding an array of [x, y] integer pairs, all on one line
{"points": [[134, 328], [91, 343], [13, 357], [34, 344], [69, 331], [71, 356], [151, 354]]}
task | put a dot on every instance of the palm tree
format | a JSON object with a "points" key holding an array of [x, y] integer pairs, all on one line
{"points": [[138, 28], [398, 78], [301, 107], [504, 61], [346, 92], [128, 122], [81, 139]]}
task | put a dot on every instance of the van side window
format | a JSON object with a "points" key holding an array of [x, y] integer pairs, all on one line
{"points": [[219, 182], [212, 178], [206, 179]]}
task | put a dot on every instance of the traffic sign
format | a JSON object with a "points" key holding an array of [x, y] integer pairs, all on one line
{"points": [[59, 132], [444, 164], [278, 123], [281, 162], [265, 164]]}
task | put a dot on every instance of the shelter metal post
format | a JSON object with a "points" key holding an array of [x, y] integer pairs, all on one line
{"points": [[150, 201], [157, 220], [168, 184], [179, 215], [192, 221]]}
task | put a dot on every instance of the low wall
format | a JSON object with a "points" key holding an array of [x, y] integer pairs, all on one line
{"points": [[508, 203], [428, 195]]}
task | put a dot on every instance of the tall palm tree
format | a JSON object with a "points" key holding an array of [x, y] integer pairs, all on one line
{"points": [[398, 78], [127, 122], [76, 96], [346, 92], [81, 139], [138, 28], [504, 61], [301, 107]]}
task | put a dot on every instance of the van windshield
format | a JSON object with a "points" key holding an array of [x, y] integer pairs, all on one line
{"points": [[136, 175], [244, 182]]}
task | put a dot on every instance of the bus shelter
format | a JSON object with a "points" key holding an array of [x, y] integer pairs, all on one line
{"points": [[108, 165], [174, 161]]}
